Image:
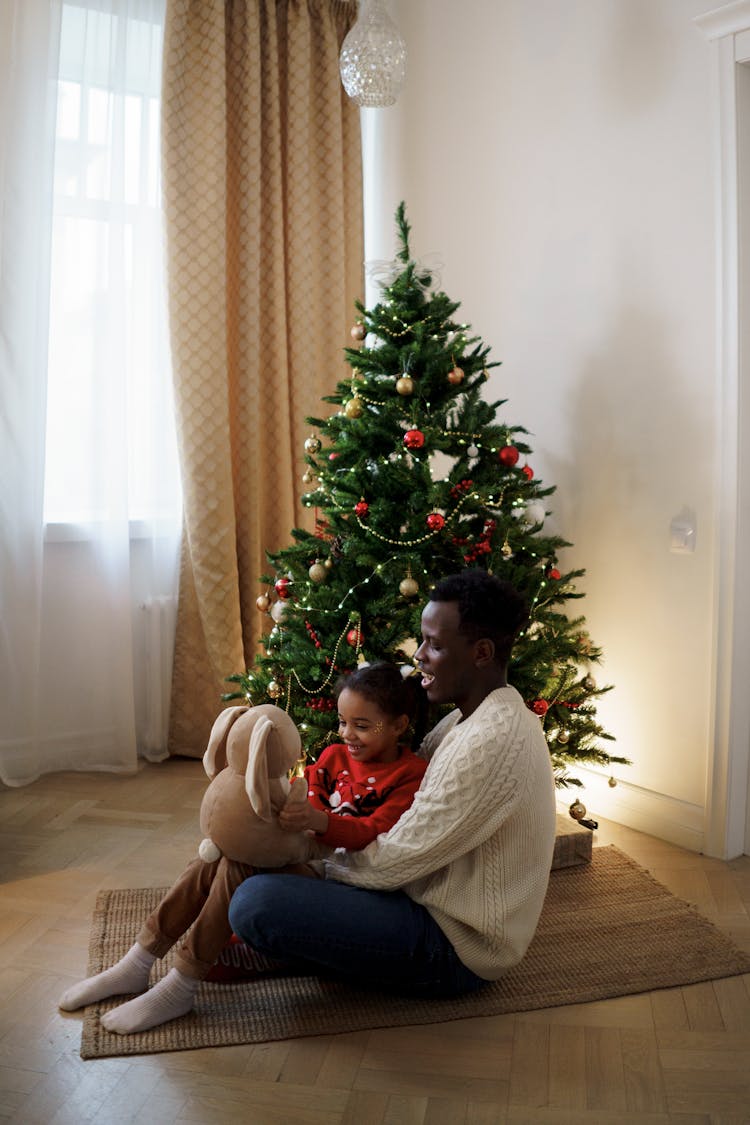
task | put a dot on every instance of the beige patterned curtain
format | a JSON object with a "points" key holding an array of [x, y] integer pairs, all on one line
{"points": [[263, 200]]}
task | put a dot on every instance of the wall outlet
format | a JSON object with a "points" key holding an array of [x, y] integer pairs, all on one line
{"points": [[682, 533]]}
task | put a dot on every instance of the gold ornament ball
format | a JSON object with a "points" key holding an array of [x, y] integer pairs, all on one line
{"points": [[317, 572], [456, 376], [307, 477], [589, 683], [274, 689], [405, 385], [358, 332], [328, 564], [577, 810], [353, 408], [563, 738], [408, 587], [263, 603], [312, 445], [612, 783]]}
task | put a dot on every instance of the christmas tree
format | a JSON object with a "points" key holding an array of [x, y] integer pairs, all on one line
{"points": [[413, 477]]}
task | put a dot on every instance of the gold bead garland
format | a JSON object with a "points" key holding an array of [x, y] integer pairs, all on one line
{"points": [[396, 335], [363, 398], [314, 690], [422, 538]]}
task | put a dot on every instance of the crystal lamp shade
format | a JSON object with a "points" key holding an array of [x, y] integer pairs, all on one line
{"points": [[373, 57]]}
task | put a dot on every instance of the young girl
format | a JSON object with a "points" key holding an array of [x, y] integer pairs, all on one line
{"points": [[360, 787], [357, 789]]}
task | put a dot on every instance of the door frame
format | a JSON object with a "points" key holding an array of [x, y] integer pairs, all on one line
{"points": [[728, 773]]}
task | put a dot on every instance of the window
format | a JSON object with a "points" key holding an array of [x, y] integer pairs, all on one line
{"points": [[110, 443]]}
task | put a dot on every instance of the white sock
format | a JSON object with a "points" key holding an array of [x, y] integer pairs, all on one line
{"points": [[130, 974], [173, 996]]}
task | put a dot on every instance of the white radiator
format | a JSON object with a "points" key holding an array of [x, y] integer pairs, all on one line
{"points": [[158, 639]]}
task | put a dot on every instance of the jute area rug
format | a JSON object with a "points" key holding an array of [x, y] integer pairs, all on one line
{"points": [[608, 929]]}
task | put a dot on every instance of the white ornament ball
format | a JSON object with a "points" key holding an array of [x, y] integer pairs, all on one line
{"points": [[278, 609], [534, 512], [208, 851]]}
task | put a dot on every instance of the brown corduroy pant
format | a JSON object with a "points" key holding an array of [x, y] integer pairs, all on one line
{"points": [[201, 895]]}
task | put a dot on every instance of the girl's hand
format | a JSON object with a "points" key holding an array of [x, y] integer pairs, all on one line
{"points": [[302, 818]]}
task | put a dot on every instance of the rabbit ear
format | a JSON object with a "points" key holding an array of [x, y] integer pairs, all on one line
{"points": [[256, 774], [215, 758]]}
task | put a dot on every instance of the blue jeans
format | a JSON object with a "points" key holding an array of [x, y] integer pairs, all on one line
{"points": [[375, 939]]}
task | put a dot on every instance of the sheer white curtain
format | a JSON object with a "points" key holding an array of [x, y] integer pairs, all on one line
{"points": [[89, 492]]}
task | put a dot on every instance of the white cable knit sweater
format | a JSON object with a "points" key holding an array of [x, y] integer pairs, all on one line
{"points": [[476, 845]]}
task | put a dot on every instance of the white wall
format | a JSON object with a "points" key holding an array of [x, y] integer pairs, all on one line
{"points": [[558, 154]]}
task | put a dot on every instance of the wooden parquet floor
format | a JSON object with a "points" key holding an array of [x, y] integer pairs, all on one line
{"points": [[681, 1055]]}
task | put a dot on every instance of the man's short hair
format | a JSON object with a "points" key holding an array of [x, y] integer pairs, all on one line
{"points": [[487, 607]]}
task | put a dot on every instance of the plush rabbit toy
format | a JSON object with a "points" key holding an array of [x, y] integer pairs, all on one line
{"points": [[251, 751]]}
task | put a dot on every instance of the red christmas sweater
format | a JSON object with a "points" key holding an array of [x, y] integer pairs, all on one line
{"points": [[362, 799]]}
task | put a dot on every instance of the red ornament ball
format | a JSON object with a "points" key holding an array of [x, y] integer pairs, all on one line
{"points": [[528, 472], [508, 456], [361, 509], [354, 637], [413, 439], [540, 706], [456, 376], [553, 573], [281, 586], [435, 521]]}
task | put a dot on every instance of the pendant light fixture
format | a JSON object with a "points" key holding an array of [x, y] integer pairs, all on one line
{"points": [[373, 57]]}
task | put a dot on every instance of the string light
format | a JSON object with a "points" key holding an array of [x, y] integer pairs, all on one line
{"points": [[397, 335], [378, 570]]}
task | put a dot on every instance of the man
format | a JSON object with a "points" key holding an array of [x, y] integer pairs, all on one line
{"points": [[451, 895]]}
